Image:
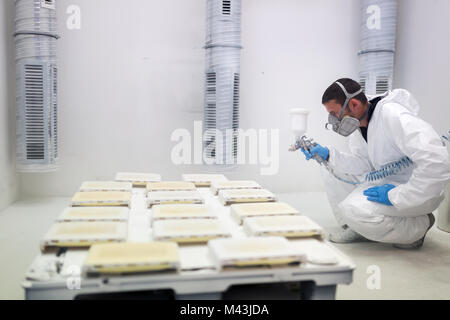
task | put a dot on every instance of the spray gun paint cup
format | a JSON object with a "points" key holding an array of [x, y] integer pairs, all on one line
{"points": [[299, 121]]}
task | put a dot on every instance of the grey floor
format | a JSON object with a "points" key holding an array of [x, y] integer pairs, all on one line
{"points": [[421, 274]]}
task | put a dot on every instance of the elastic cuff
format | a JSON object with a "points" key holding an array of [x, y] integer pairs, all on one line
{"points": [[391, 195], [332, 157], [327, 158]]}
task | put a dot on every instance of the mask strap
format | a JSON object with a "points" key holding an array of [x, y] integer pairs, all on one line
{"points": [[365, 114], [348, 97]]}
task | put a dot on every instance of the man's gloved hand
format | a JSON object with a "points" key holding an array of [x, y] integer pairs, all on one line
{"points": [[323, 152], [379, 194]]}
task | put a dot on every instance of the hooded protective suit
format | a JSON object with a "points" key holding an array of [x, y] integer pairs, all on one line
{"points": [[394, 131]]}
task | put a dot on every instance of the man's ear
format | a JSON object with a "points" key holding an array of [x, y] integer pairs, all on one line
{"points": [[354, 104]]}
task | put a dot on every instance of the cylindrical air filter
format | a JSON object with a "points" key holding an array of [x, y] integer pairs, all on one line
{"points": [[36, 81], [378, 33], [223, 50]]}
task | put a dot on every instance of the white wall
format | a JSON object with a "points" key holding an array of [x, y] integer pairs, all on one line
{"points": [[423, 57], [9, 185], [134, 73]]}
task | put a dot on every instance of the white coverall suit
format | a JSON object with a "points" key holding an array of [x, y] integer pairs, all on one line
{"points": [[394, 132]]}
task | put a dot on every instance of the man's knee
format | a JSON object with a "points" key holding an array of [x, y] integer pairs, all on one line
{"points": [[393, 230]]}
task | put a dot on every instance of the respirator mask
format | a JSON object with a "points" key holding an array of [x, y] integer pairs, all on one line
{"points": [[347, 125]]}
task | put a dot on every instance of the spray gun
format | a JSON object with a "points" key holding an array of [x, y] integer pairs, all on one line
{"points": [[299, 122], [307, 144]]}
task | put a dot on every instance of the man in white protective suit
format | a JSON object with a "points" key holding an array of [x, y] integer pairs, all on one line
{"points": [[395, 175]]}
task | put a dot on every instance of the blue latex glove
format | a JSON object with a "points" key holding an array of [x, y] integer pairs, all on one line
{"points": [[323, 152], [379, 194]]}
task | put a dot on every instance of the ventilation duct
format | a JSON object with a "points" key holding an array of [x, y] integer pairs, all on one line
{"points": [[36, 81], [221, 110], [378, 33]]}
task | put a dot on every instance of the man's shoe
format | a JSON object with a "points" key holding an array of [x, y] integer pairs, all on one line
{"points": [[347, 235], [419, 243]]}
